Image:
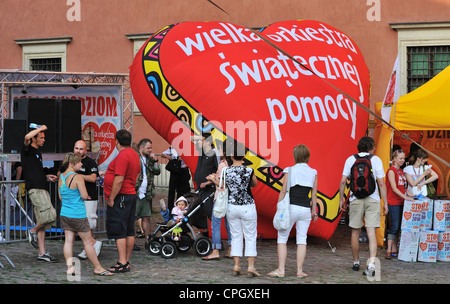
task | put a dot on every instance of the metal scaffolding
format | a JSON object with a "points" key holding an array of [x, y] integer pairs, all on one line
{"points": [[11, 78]]}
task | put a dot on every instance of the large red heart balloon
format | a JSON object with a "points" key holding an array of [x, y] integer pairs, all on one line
{"points": [[224, 79]]}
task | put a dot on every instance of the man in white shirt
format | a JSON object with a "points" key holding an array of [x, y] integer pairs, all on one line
{"points": [[368, 208], [145, 187]]}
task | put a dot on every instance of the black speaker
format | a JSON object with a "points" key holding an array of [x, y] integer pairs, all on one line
{"points": [[61, 116], [41, 111], [69, 122], [14, 131]]}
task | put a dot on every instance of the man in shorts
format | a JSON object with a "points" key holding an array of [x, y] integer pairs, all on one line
{"points": [[145, 186], [120, 194], [365, 211], [36, 185]]}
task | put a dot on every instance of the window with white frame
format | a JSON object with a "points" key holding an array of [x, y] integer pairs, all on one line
{"points": [[423, 50], [138, 41], [44, 54]]}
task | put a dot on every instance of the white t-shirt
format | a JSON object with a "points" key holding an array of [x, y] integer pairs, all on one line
{"points": [[143, 187], [377, 168], [302, 174], [415, 173]]}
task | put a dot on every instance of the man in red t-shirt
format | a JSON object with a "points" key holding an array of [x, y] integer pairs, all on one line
{"points": [[120, 194]]}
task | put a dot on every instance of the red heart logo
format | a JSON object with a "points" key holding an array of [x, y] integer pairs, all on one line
{"points": [[423, 246], [103, 137], [224, 79], [407, 215], [439, 216]]}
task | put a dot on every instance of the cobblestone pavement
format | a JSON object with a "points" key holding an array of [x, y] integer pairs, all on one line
{"points": [[323, 265]]}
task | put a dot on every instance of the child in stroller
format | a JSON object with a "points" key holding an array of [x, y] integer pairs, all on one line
{"points": [[170, 237], [178, 212]]}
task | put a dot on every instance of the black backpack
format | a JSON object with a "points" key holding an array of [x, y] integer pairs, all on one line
{"points": [[362, 180]]}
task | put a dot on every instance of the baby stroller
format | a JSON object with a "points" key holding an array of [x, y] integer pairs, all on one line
{"points": [[181, 236]]}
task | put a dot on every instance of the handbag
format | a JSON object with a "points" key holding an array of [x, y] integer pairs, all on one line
{"points": [[174, 165], [221, 203], [431, 189], [281, 220]]}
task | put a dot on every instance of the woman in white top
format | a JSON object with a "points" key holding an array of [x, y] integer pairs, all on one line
{"points": [[415, 174], [302, 209]]}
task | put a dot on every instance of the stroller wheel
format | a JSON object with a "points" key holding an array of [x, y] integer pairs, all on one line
{"points": [[168, 250], [154, 248], [184, 248], [202, 246]]}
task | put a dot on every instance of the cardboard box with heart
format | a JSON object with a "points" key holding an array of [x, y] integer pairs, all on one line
{"points": [[444, 246], [441, 215], [412, 216], [428, 246]]}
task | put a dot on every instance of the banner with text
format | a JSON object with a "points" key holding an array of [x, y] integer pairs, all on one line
{"points": [[100, 114]]}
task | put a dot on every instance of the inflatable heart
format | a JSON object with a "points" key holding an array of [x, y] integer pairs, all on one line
{"points": [[224, 79]]}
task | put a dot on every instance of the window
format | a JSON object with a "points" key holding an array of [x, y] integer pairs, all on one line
{"points": [[426, 62], [44, 54], [423, 51], [138, 41], [46, 64]]}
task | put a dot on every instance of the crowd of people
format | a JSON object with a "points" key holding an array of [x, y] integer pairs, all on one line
{"points": [[129, 189]]}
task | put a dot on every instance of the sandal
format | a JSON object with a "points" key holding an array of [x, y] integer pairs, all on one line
{"points": [[236, 271], [274, 274], [251, 273], [388, 255], [71, 271], [120, 268], [105, 273]]}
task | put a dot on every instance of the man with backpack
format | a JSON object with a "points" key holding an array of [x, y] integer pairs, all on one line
{"points": [[365, 174]]}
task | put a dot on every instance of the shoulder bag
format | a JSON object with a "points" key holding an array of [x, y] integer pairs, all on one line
{"points": [[281, 220], [221, 203]]}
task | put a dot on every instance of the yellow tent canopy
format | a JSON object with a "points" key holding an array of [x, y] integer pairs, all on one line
{"points": [[426, 108]]}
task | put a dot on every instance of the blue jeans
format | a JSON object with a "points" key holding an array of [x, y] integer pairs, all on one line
{"points": [[216, 224], [395, 215]]}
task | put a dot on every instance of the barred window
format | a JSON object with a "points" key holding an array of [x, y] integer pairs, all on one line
{"points": [[425, 62], [46, 64]]}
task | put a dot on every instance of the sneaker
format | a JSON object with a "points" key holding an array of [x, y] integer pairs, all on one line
{"points": [[82, 255], [369, 272], [356, 266], [47, 257], [98, 247], [32, 238]]}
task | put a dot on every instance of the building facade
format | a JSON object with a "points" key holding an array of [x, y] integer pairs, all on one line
{"points": [[104, 35]]}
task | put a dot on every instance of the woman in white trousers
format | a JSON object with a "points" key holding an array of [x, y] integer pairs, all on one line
{"points": [[302, 209], [241, 213]]}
